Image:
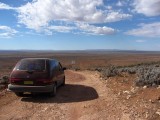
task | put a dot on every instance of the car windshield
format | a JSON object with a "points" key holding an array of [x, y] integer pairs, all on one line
{"points": [[31, 65]]}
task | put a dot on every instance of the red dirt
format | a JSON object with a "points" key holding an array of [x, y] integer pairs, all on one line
{"points": [[145, 102], [84, 97]]}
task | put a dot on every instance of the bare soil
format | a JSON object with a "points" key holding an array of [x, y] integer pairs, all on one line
{"points": [[85, 97], [82, 60]]}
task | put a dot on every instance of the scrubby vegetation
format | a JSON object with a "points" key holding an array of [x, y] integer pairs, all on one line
{"points": [[4, 81], [147, 74]]}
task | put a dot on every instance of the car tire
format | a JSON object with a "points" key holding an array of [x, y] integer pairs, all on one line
{"points": [[53, 93], [19, 94]]}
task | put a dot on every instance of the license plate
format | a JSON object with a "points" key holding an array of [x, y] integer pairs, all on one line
{"points": [[28, 82]]}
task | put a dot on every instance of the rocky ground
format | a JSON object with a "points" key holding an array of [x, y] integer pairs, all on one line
{"points": [[86, 96]]}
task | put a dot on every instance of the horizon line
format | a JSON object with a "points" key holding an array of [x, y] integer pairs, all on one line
{"points": [[80, 50]]}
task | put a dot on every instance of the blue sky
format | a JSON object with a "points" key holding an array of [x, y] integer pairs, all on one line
{"points": [[80, 24]]}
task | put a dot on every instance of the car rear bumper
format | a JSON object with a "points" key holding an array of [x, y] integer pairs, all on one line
{"points": [[22, 88]]}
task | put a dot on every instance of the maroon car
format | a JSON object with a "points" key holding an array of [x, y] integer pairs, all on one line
{"points": [[36, 75]]}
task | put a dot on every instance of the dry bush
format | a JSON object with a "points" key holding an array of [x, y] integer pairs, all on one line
{"points": [[4, 79], [71, 67], [147, 74], [110, 71]]}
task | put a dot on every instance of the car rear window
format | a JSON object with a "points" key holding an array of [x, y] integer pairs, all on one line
{"points": [[32, 65]]}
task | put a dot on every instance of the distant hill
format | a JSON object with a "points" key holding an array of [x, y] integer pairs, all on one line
{"points": [[91, 51]]}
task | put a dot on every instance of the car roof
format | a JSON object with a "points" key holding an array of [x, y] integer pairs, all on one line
{"points": [[39, 59]]}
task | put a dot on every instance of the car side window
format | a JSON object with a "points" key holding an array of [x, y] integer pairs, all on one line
{"points": [[53, 65]]}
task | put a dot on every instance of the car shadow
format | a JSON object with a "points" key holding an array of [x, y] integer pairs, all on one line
{"points": [[65, 94]]}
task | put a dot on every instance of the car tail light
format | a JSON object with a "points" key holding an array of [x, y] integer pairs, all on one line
{"points": [[13, 80]]}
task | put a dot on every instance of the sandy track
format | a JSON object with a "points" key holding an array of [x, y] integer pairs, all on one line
{"points": [[84, 97]]}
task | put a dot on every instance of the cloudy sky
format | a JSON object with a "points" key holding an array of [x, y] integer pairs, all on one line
{"points": [[80, 24]]}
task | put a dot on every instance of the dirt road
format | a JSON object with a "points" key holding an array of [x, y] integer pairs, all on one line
{"points": [[84, 97]]}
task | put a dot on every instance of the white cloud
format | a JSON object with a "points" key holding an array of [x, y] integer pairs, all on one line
{"points": [[40, 13], [119, 4], [7, 32], [81, 28], [116, 16], [4, 6], [146, 30], [61, 28], [122, 3], [147, 7], [43, 16], [140, 41], [91, 29], [108, 7]]}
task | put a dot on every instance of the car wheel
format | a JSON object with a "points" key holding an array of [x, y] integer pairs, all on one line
{"points": [[53, 93], [19, 94]]}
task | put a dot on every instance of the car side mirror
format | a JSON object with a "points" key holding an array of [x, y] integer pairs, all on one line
{"points": [[64, 68]]}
